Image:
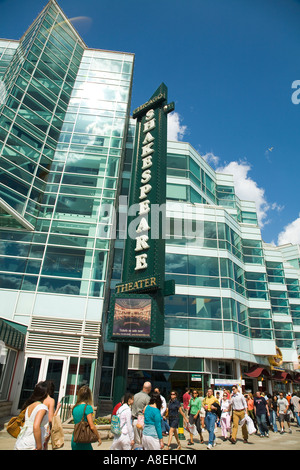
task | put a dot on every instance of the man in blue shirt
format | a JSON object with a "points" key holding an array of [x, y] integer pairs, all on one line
{"points": [[261, 410]]}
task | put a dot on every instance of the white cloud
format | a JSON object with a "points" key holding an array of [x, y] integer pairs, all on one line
{"points": [[290, 233], [176, 131], [211, 159], [277, 207], [246, 188]]}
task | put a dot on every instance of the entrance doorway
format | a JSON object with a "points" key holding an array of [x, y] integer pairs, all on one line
{"points": [[40, 368]]}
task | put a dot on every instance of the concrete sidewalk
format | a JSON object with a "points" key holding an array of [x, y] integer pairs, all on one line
{"points": [[276, 441]]}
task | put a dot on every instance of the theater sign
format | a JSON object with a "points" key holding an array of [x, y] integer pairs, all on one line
{"points": [[143, 278]]}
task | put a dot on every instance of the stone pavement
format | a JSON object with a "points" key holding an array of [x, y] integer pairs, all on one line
{"points": [[275, 442]]}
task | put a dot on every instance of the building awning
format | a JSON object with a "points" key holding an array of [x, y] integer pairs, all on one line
{"points": [[256, 371], [12, 334], [280, 376], [297, 378]]}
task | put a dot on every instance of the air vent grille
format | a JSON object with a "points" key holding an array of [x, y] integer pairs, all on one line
{"points": [[61, 336]]}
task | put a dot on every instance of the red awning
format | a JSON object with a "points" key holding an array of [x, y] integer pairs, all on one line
{"points": [[257, 372], [281, 376], [297, 378]]}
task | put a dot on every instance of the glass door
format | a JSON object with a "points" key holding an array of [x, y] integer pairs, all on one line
{"points": [[54, 373], [42, 368]]}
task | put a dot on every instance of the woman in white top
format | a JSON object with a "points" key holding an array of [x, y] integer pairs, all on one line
{"points": [[32, 435], [126, 439], [225, 416]]}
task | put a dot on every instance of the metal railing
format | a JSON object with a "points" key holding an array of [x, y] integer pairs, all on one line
{"points": [[66, 407]]}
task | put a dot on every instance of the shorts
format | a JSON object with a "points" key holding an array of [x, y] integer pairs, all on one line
{"points": [[284, 417], [173, 422]]}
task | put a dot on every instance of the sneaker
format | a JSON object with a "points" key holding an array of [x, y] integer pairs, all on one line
{"points": [[267, 434], [209, 446]]}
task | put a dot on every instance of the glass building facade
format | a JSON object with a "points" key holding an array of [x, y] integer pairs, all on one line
{"points": [[66, 141], [63, 126]]}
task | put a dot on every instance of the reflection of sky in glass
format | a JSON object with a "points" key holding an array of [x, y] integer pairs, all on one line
{"points": [[99, 99]]}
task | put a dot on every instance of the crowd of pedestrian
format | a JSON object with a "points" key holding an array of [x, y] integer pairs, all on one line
{"points": [[146, 417], [153, 417]]}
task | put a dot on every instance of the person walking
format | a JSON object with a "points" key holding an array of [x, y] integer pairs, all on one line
{"points": [[295, 401], [195, 405], [272, 404], [140, 401], [225, 416], [250, 408], [125, 440], [84, 405], [50, 403], [210, 417], [33, 433], [185, 401], [239, 410], [164, 423], [202, 412], [282, 412], [261, 411], [152, 433], [174, 408], [117, 406]]}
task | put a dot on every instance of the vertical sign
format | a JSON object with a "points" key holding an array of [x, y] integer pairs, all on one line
{"points": [[144, 258]]}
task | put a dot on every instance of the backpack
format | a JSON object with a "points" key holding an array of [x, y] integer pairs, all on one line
{"points": [[15, 424], [115, 425]]}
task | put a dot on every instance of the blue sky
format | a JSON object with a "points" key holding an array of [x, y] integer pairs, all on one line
{"points": [[229, 66]]}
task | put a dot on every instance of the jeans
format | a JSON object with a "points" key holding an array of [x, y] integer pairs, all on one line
{"points": [[210, 420], [297, 418], [262, 424], [165, 426], [273, 420]]}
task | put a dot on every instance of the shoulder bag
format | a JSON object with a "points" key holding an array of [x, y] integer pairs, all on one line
{"points": [[83, 433], [57, 433], [15, 424]]}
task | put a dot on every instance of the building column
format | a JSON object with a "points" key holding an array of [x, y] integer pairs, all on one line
{"points": [[238, 370]]}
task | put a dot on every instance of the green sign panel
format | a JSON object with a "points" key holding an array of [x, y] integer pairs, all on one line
{"points": [[143, 284]]}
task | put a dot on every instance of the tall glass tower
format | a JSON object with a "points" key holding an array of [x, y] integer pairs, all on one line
{"points": [[63, 127]]}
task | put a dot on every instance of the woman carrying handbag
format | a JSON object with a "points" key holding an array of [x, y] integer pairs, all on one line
{"points": [[83, 415], [32, 434], [195, 406]]}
